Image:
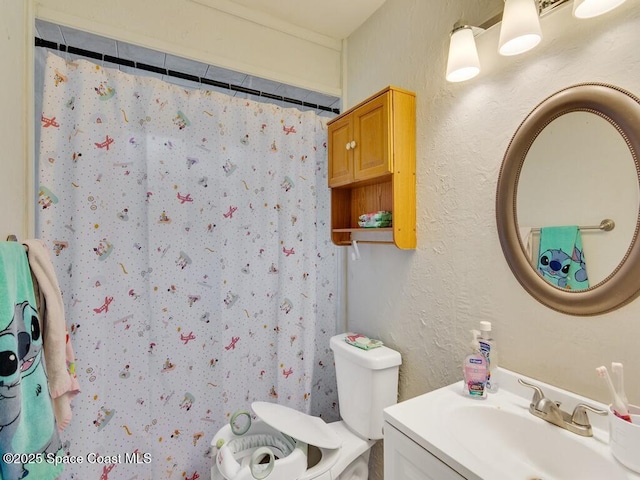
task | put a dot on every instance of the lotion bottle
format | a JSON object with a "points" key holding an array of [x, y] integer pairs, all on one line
{"points": [[475, 370], [489, 350]]}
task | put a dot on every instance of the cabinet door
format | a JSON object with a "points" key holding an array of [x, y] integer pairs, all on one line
{"points": [[371, 127], [406, 460], [340, 136]]}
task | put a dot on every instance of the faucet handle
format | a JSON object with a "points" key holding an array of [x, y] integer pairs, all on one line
{"points": [[538, 396], [580, 417]]}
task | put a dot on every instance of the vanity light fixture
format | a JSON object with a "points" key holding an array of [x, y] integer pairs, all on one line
{"points": [[520, 30], [593, 8], [463, 62]]}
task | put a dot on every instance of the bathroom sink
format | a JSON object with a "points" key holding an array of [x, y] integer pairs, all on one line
{"points": [[499, 439], [513, 441]]}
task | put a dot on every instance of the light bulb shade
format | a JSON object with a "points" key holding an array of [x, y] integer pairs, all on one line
{"points": [[520, 29], [593, 8], [463, 62]]}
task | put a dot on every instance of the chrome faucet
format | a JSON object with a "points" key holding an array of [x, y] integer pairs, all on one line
{"points": [[548, 410]]}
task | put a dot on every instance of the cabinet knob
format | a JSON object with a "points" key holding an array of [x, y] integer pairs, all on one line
{"points": [[348, 146], [353, 144]]}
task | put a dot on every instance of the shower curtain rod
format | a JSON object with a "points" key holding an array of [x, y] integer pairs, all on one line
{"points": [[39, 42]]}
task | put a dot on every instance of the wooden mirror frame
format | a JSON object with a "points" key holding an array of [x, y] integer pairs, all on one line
{"points": [[622, 110]]}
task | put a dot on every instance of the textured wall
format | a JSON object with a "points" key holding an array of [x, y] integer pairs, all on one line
{"points": [[424, 302], [14, 98]]}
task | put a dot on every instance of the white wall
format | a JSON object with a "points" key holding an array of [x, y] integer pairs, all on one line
{"points": [[15, 98], [217, 36], [424, 302]]}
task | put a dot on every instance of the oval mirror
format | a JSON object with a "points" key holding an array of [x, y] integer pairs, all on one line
{"points": [[581, 149]]}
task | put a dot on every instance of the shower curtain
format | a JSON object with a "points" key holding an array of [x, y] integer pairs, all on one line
{"points": [[189, 231]]}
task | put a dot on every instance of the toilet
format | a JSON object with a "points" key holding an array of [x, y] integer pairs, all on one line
{"points": [[284, 444]]}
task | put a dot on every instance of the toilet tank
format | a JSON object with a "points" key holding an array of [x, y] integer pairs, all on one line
{"points": [[367, 384]]}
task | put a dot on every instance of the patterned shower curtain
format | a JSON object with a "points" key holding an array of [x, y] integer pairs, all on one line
{"points": [[189, 232]]}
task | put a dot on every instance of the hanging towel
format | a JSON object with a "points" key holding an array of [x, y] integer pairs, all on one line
{"points": [[58, 351], [561, 259], [27, 422]]}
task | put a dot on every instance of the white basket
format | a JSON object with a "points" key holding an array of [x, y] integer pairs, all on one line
{"points": [[624, 438]]}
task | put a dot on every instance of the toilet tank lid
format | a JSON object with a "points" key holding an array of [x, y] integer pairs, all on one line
{"points": [[298, 425], [374, 359]]}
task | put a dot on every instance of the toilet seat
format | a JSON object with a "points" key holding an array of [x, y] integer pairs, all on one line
{"points": [[287, 433], [238, 456], [298, 425]]}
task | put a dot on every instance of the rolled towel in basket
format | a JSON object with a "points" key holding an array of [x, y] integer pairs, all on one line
{"points": [[379, 219]]}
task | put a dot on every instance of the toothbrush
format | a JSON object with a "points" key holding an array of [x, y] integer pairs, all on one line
{"points": [[618, 374], [619, 408]]}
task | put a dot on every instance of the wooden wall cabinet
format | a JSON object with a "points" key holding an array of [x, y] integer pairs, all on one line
{"points": [[372, 166]]}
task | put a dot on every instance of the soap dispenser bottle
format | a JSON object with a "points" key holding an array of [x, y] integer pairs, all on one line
{"points": [[490, 352], [475, 370]]}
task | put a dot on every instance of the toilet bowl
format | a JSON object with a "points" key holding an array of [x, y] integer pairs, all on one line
{"points": [[285, 444]]}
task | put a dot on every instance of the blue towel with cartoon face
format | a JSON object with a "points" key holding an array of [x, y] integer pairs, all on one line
{"points": [[27, 422], [561, 260]]}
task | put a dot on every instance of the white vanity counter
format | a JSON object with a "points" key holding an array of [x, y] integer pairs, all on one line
{"points": [[444, 435]]}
